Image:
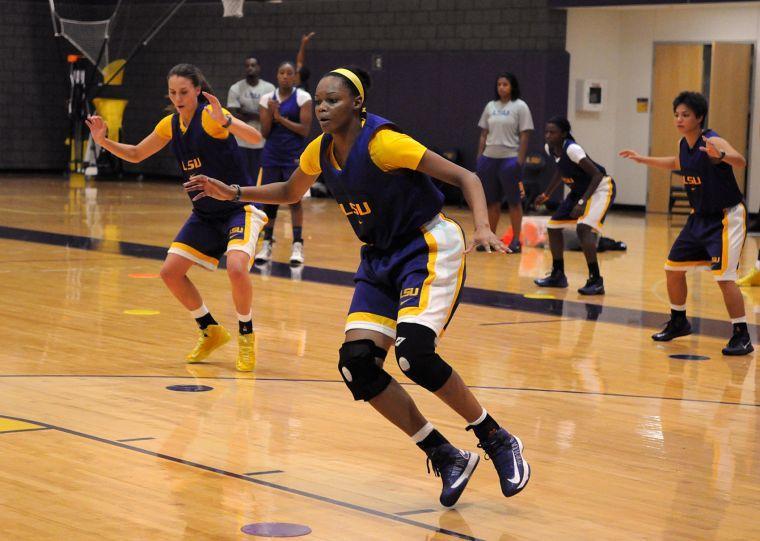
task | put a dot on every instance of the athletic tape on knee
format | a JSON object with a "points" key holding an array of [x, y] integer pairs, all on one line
{"points": [[416, 356], [357, 366]]}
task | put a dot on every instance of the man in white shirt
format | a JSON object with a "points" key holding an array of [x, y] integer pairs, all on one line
{"points": [[243, 102]]}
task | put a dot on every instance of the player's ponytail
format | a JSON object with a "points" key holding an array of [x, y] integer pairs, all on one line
{"points": [[195, 75]]}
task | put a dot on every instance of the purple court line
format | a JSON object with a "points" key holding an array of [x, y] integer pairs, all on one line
{"points": [[415, 512], [264, 472], [574, 309], [485, 387], [135, 439], [524, 322], [23, 430], [283, 488]]}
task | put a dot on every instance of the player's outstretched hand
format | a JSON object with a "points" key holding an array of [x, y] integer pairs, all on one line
{"points": [[209, 187], [98, 128], [631, 155], [216, 108], [486, 238], [709, 148]]}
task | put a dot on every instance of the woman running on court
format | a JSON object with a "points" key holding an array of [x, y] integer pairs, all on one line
{"points": [[199, 133], [585, 207], [715, 231], [410, 275], [286, 116]]}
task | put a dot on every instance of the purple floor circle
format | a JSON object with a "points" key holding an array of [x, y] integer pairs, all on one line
{"points": [[686, 357], [276, 529], [189, 388]]}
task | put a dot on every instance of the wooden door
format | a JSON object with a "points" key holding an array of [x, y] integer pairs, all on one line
{"points": [[677, 67], [729, 96]]}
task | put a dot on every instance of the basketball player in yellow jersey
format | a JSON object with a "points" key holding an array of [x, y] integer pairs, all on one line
{"points": [[199, 136]]}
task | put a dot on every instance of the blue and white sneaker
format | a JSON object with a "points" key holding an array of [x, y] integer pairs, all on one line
{"points": [[505, 451], [455, 468]]}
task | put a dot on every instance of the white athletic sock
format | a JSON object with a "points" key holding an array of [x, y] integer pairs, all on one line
{"points": [[757, 264], [423, 432], [678, 307], [479, 419], [742, 319], [199, 312], [245, 318]]}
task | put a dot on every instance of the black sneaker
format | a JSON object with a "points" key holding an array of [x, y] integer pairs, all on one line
{"points": [[505, 451], [455, 468], [594, 286], [739, 344], [553, 279], [515, 247], [673, 329]]}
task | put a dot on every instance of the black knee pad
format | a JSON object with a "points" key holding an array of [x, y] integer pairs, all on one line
{"points": [[357, 366], [416, 356], [271, 211]]}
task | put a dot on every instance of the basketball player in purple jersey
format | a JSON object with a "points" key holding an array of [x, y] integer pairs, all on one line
{"points": [[715, 231], [410, 276], [286, 116], [199, 134]]}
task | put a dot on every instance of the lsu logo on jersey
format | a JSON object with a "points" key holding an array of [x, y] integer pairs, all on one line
{"points": [[692, 180], [568, 180], [237, 230], [191, 165], [358, 209], [408, 294]]}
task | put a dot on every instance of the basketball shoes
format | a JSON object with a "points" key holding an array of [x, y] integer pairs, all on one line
{"points": [[211, 338]]}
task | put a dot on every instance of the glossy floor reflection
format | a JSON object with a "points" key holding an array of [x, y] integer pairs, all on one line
{"points": [[624, 441]]}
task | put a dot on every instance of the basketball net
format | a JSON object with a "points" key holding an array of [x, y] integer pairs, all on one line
{"points": [[233, 8]]}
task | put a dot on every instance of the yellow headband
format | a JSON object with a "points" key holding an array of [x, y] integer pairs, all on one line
{"points": [[351, 76]]}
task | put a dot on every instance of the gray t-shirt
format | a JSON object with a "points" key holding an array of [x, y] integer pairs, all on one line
{"points": [[247, 97], [504, 122]]}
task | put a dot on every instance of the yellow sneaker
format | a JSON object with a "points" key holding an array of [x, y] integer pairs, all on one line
{"points": [[246, 359], [211, 338], [751, 279]]}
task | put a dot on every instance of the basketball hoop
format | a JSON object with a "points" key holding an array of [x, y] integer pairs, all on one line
{"points": [[233, 8]]}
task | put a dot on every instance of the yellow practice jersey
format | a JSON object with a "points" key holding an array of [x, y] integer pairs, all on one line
{"points": [[388, 149], [210, 126]]}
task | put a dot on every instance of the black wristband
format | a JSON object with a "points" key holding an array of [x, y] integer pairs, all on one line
{"points": [[722, 155], [237, 192], [228, 123]]}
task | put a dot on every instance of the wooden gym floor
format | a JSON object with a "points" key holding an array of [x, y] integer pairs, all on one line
{"points": [[624, 441]]}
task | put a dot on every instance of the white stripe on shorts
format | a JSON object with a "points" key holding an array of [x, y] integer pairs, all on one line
{"points": [[445, 273], [255, 219], [734, 234]]}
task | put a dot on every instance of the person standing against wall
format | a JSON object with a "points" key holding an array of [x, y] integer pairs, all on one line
{"points": [[243, 102], [505, 128]]}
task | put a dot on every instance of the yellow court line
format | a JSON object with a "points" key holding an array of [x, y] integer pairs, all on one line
{"points": [[11, 425]]}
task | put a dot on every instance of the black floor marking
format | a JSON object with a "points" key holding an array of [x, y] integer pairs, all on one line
{"points": [[23, 430], [135, 439], [524, 322], [264, 472], [470, 295], [336, 381], [283, 488], [415, 512]]}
